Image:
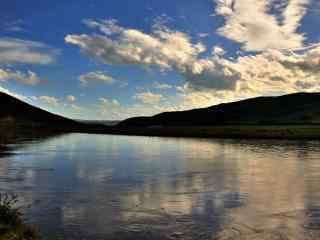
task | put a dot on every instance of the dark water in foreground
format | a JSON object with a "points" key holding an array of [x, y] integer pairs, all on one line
{"points": [[116, 187]]}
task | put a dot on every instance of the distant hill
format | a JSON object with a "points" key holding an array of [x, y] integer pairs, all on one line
{"points": [[99, 122], [16, 112], [298, 108]]}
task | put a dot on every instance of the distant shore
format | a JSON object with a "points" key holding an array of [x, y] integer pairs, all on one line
{"points": [[311, 131], [229, 131]]}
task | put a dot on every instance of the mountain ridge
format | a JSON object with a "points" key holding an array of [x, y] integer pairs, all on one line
{"points": [[296, 108], [16, 112]]}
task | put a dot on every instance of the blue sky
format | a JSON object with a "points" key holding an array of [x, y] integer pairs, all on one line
{"points": [[95, 59]]}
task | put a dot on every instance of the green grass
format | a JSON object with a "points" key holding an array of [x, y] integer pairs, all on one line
{"points": [[12, 226]]}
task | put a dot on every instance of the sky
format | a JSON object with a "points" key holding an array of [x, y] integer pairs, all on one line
{"points": [[110, 60]]}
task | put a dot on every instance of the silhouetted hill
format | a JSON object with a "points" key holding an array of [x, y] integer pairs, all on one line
{"points": [[251, 118], [298, 108], [16, 112], [99, 122]]}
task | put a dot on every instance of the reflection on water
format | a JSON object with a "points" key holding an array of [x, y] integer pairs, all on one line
{"points": [[116, 187]]}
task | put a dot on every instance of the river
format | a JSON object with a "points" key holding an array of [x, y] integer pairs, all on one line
{"points": [[79, 186]]}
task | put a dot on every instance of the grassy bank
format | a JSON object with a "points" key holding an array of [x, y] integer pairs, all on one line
{"points": [[311, 131], [249, 131], [12, 226]]}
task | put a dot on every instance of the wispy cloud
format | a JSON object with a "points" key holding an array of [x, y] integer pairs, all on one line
{"points": [[13, 26], [19, 51], [97, 76], [114, 110], [71, 98], [148, 97], [218, 51], [109, 103], [203, 35], [49, 100], [28, 78], [162, 86]]}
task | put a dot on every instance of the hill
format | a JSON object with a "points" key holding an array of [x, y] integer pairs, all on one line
{"points": [[297, 116], [18, 113], [99, 122], [298, 108]]}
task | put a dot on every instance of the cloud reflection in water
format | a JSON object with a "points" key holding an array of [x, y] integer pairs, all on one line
{"points": [[119, 187]]}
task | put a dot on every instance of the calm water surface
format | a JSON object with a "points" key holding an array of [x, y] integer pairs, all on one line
{"points": [[116, 187]]}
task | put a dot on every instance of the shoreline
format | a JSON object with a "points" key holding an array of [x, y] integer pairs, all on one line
{"points": [[295, 132], [308, 132]]}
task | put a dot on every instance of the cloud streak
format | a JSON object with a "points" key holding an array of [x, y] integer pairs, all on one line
{"points": [[71, 98], [98, 76], [49, 100], [18, 51], [148, 97], [13, 26], [27, 78]]}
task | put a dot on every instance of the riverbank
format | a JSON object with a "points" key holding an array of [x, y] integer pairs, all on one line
{"points": [[297, 132], [12, 226], [245, 132]]}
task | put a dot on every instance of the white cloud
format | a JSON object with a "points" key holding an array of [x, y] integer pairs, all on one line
{"points": [[95, 77], [63, 106], [13, 26], [189, 99], [71, 98], [107, 103], [280, 71], [143, 110], [148, 97], [28, 78], [271, 72], [162, 86], [166, 49], [13, 51], [103, 101], [51, 101], [250, 22], [216, 78], [34, 98], [203, 35], [109, 109], [212, 73], [76, 108], [115, 103], [160, 22], [108, 27], [123, 84], [218, 51], [113, 110]]}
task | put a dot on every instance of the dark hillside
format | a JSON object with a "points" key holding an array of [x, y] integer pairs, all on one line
{"points": [[16, 112], [298, 108]]}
